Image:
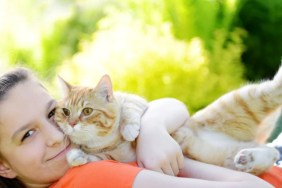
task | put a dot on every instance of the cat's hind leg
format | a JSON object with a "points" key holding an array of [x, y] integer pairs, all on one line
{"points": [[256, 160]]}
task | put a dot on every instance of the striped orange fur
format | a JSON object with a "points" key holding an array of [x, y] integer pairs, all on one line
{"points": [[112, 125], [224, 133], [227, 132]]}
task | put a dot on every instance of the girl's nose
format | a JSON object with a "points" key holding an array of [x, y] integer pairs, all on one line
{"points": [[54, 136]]}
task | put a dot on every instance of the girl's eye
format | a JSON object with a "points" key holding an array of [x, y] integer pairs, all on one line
{"points": [[51, 114], [66, 111], [27, 134], [87, 111]]}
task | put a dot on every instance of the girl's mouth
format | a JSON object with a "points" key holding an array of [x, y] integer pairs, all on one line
{"points": [[61, 153]]}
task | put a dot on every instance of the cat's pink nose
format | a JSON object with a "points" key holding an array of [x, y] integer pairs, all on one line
{"points": [[72, 123]]}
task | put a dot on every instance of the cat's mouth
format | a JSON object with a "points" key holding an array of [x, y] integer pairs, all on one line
{"points": [[62, 153]]}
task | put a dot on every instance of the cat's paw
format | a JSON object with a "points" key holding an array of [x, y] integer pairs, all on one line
{"points": [[255, 160], [131, 131], [76, 157], [244, 160]]}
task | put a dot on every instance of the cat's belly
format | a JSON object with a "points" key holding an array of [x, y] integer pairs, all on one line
{"points": [[216, 138], [215, 147]]}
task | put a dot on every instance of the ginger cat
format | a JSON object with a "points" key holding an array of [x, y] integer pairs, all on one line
{"points": [[105, 125]]}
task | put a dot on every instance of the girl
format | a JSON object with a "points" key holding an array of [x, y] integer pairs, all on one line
{"points": [[33, 149]]}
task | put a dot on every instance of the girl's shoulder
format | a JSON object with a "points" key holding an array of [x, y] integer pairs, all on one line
{"points": [[105, 173]]}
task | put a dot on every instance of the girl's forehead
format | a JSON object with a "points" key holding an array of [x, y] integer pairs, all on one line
{"points": [[30, 90], [26, 101]]}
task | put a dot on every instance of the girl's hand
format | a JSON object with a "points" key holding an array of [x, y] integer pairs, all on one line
{"points": [[156, 149]]}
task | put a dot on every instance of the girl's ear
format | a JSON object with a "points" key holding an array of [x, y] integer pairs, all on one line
{"points": [[104, 88], [65, 86], [6, 171]]}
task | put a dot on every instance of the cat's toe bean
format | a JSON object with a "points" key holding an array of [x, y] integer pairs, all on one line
{"points": [[244, 161], [244, 158]]}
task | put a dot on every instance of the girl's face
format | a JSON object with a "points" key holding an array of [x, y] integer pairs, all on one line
{"points": [[32, 148]]}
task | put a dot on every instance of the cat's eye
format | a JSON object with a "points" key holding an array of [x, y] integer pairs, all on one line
{"points": [[66, 111], [87, 111]]}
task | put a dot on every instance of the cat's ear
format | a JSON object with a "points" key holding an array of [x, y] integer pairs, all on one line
{"points": [[65, 86], [104, 88]]}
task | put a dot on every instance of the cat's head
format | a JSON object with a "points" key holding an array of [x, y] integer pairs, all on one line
{"points": [[88, 115]]}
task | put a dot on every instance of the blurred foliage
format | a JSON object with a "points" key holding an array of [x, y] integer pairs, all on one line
{"points": [[262, 19], [194, 50], [56, 36], [200, 18], [277, 129], [150, 61]]}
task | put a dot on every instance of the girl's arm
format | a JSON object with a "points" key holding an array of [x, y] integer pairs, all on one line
{"points": [[156, 149], [199, 175]]}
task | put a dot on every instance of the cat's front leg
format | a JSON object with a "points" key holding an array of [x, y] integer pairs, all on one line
{"points": [[133, 108], [130, 131], [76, 157]]}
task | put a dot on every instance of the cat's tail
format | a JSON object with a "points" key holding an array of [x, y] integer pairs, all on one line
{"points": [[277, 80], [273, 94], [270, 92]]}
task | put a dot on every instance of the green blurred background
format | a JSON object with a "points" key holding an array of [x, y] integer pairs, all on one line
{"points": [[193, 50]]}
